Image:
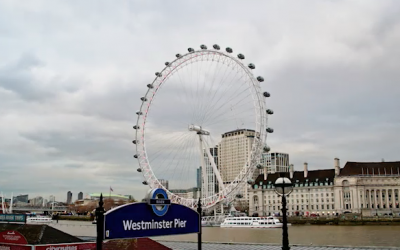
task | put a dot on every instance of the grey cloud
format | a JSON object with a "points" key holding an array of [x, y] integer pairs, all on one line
{"points": [[71, 77]]}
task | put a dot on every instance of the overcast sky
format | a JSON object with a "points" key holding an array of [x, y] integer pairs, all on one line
{"points": [[72, 73]]}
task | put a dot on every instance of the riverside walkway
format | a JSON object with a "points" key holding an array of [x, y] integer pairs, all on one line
{"points": [[240, 246]]}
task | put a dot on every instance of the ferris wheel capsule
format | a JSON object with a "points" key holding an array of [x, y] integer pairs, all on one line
{"points": [[166, 63], [229, 50], [259, 166], [136, 156], [270, 111], [270, 130], [240, 56], [266, 149], [203, 46], [190, 50], [134, 141], [143, 98], [266, 94], [251, 66], [144, 183], [139, 112], [260, 78], [216, 46], [250, 181], [150, 86], [136, 127], [178, 55], [139, 170]]}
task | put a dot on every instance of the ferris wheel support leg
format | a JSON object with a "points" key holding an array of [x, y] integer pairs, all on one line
{"points": [[204, 187]]}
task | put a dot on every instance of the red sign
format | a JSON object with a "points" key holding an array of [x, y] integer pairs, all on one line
{"points": [[12, 237], [71, 246], [14, 247]]}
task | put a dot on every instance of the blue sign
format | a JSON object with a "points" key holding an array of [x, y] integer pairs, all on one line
{"points": [[150, 219], [13, 217]]}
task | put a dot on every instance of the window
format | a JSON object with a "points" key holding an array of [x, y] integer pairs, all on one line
{"points": [[317, 207], [333, 206], [327, 206], [312, 206], [322, 206]]}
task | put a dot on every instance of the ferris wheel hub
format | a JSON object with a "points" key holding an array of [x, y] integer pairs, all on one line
{"points": [[198, 129]]}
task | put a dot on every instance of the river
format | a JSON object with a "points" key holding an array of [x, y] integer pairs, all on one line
{"points": [[298, 234]]}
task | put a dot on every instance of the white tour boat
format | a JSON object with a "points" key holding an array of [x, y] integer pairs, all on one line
{"points": [[39, 220], [255, 222]]}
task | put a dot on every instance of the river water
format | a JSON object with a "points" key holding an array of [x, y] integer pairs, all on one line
{"points": [[325, 235]]}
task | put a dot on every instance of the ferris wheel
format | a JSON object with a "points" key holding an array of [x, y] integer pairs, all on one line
{"points": [[189, 106]]}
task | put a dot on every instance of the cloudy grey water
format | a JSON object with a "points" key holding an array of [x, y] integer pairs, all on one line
{"points": [[301, 234]]}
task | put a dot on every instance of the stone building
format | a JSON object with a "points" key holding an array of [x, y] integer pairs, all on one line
{"points": [[313, 192], [370, 187]]}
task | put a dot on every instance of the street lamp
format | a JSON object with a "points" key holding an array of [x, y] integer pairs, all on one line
{"points": [[283, 186]]}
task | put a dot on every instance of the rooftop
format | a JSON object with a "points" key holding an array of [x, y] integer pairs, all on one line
{"points": [[370, 168]]}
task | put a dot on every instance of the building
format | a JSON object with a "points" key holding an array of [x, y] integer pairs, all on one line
{"points": [[80, 196], [209, 186], [36, 202], [69, 197], [274, 163], [313, 192], [115, 197], [21, 198], [234, 151], [369, 188], [165, 183], [233, 154], [198, 178], [191, 193]]}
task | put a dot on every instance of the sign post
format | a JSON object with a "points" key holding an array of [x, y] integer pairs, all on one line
{"points": [[199, 210], [100, 224], [156, 217]]}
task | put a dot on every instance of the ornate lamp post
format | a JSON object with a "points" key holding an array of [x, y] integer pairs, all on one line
{"points": [[283, 186]]}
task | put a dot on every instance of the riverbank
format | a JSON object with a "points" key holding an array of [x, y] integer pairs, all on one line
{"points": [[344, 220]]}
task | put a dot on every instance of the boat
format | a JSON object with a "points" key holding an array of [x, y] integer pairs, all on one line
{"points": [[252, 222], [39, 220]]}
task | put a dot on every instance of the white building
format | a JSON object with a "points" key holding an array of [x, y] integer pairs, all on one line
{"points": [[313, 193], [234, 151], [369, 188], [274, 163], [210, 187]]}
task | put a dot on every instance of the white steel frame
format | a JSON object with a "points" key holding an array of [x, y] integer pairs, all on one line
{"points": [[229, 191]]}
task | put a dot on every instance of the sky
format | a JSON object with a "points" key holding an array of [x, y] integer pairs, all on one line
{"points": [[72, 74]]}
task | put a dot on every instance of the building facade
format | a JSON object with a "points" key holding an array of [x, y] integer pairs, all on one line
{"points": [[209, 186], [165, 183], [369, 188], [313, 193], [80, 196]]}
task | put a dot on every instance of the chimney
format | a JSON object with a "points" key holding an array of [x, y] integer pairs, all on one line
{"points": [[337, 166], [305, 169], [291, 169]]}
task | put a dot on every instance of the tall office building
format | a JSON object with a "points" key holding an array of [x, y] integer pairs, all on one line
{"points": [[69, 197], [80, 196], [211, 187], [234, 151], [198, 177]]}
